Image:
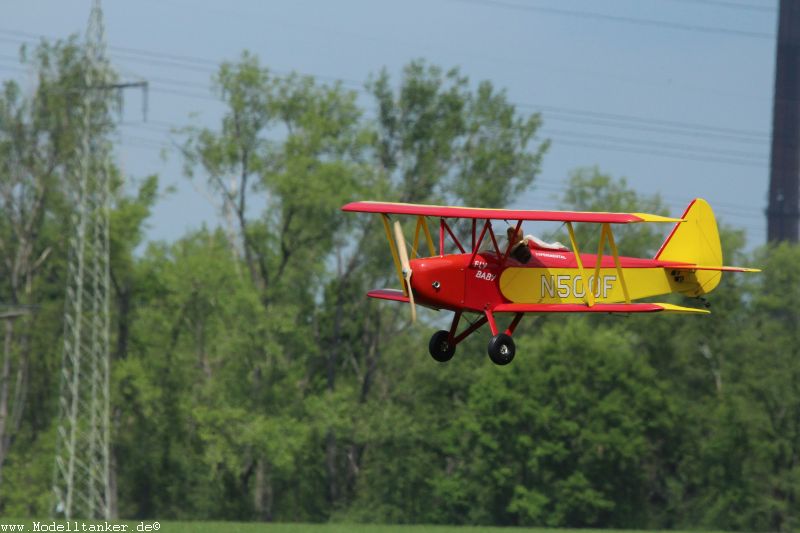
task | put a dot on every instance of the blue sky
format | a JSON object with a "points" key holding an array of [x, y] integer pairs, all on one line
{"points": [[674, 95]]}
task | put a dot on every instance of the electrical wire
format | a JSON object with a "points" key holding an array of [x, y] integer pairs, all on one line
{"points": [[618, 18], [731, 5], [603, 142]]}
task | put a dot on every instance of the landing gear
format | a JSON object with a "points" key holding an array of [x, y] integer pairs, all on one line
{"points": [[440, 347], [501, 349], [501, 346]]}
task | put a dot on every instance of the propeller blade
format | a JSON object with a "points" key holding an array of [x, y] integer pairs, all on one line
{"points": [[406, 266], [411, 298], [401, 247]]}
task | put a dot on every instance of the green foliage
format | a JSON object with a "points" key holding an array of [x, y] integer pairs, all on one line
{"points": [[438, 140], [564, 437], [245, 527]]}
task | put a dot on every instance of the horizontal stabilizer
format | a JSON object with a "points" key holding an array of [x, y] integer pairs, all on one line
{"points": [[720, 268], [597, 308]]}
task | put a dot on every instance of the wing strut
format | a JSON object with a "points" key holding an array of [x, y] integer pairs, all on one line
{"points": [[476, 244], [441, 236], [393, 248], [422, 224], [613, 245], [607, 234], [587, 292]]}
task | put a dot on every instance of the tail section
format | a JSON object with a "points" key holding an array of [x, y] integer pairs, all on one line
{"points": [[696, 241]]}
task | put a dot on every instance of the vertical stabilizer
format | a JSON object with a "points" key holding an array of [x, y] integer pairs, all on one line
{"points": [[696, 241]]}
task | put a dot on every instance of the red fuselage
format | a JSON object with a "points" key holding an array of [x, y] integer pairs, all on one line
{"points": [[451, 282]]}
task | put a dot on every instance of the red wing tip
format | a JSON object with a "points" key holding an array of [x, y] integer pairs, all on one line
{"points": [[388, 294]]}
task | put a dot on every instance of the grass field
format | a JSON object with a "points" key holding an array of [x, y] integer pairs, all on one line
{"points": [[252, 527]]}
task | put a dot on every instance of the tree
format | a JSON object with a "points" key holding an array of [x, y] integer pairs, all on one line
{"points": [[305, 149], [751, 451], [302, 180], [563, 439], [38, 135], [438, 140]]}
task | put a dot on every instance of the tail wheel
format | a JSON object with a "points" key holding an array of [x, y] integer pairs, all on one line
{"points": [[440, 347], [501, 349]]}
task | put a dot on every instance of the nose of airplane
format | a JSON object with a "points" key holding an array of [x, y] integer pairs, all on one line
{"points": [[438, 281]]}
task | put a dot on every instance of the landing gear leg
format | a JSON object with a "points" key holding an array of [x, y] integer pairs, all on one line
{"points": [[501, 346]]}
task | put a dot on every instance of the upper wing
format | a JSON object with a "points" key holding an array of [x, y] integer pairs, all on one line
{"points": [[392, 208]]}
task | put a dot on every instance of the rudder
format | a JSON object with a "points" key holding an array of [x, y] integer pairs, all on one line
{"points": [[696, 241]]}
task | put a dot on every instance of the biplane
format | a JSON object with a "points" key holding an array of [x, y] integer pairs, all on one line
{"points": [[527, 275]]}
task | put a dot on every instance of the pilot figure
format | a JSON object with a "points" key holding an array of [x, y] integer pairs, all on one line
{"points": [[522, 246]]}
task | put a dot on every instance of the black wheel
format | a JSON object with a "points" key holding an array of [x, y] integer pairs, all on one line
{"points": [[440, 347], [501, 349]]}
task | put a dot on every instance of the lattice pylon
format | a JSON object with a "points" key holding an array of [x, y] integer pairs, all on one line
{"points": [[81, 483]]}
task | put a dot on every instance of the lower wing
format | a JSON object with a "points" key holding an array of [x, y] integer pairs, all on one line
{"points": [[398, 296], [597, 308]]}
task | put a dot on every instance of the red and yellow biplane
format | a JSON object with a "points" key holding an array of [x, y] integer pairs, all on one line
{"points": [[526, 275]]}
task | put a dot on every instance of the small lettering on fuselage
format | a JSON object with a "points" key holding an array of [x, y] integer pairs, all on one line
{"points": [[550, 255], [479, 264], [564, 286], [488, 276]]}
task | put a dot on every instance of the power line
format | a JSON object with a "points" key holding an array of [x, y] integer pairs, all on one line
{"points": [[613, 143], [731, 5], [599, 118], [621, 144], [567, 114], [648, 120], [602, 142], [623, 19], [185, 62], [583, 116], [578, 119], [674, 201], [641, 151], [683, 148], [209, 66]]}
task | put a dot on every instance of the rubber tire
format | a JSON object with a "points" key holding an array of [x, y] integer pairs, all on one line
{"points": [[439, 347], [502, 349]]}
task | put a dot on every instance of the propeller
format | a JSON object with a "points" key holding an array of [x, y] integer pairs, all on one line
{"points": [[406, 266]]}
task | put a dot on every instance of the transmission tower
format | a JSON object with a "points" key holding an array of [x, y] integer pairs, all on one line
{"points": [[783, 212], [81, 481]]}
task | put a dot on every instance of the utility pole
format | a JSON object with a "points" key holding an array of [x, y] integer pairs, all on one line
{"points": [[81, 482], [783, 212]]}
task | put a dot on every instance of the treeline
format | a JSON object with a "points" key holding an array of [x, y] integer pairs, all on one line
{"points": [[252, 379]]}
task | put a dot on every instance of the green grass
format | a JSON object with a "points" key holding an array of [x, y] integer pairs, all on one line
{"points": [[240, 527], [252, 527]]}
